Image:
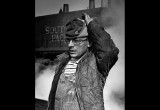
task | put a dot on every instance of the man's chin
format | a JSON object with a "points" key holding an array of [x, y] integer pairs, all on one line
{"points": [[73, 55]]}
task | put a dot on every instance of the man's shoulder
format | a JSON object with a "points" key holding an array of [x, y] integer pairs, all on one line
{"points": [[62, 56]]}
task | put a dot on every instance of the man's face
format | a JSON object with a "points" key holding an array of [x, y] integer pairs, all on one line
{"points": [[77, 47]]}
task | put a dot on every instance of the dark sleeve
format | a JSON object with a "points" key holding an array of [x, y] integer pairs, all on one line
{"points": [[105, 51]]}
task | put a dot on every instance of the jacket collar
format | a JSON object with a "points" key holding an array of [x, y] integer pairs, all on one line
{"points": [[86, 55]]}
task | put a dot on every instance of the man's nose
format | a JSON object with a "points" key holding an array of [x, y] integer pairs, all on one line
{"points": [[70, 43]]}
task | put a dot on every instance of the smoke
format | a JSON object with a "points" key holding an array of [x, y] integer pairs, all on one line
{"points": [[114, 14], [44, 73], [114, 90]]}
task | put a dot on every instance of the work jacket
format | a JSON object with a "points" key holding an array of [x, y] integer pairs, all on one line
{"points": [[92, 69]]}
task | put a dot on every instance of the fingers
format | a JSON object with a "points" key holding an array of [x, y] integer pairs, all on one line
{"points": [[87, 18]]}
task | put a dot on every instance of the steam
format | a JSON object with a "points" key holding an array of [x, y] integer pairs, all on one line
{"points": [[113, 20], [43, 79]]}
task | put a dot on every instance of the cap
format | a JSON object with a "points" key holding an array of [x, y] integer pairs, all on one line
{"points": [[76, 28]]}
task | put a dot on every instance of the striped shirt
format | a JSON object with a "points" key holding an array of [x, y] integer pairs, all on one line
{"points": [[71, 67]]}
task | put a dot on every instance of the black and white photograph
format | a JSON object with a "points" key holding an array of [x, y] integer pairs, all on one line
{"points": [[79, 54]]}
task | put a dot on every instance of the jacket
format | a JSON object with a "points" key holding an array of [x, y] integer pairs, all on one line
{"points": [[92, 69]]}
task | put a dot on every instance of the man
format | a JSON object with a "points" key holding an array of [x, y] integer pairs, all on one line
{"points": [[80, 76]]}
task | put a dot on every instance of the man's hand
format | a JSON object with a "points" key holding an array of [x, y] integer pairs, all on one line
{"points": [[87, 18]]}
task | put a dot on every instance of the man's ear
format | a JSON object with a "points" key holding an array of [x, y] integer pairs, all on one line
{"points": [[89, 44]]}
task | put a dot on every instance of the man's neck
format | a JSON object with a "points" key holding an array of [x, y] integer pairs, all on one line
{"points": [[75, 60]]}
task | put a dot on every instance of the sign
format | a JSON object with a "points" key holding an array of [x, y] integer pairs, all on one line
{"points": [[56, 32]]}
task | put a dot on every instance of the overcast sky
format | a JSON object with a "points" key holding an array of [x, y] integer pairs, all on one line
{"points": [[46, 7]]}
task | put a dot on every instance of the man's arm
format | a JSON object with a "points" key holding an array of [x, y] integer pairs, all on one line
{"points": [[104, 48]]}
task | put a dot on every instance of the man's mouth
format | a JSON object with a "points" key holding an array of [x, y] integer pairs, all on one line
{"points": [[72, 51]]}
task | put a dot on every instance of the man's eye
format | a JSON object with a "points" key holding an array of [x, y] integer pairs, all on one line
{"points": [[77, 40]]}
